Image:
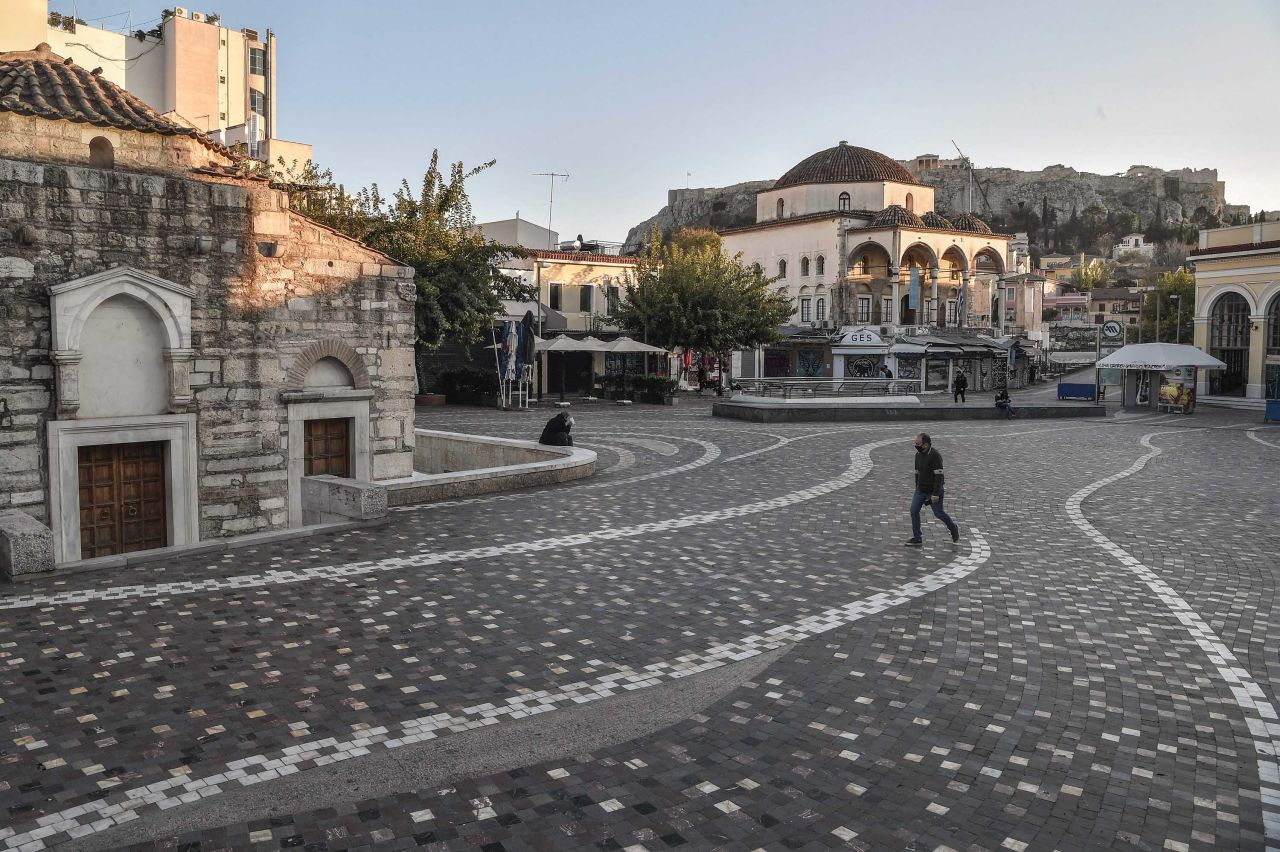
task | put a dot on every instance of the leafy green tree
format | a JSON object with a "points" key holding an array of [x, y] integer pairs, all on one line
{"points": [[432, 229], [1169, 290], [1093, 273], [700, 298]]}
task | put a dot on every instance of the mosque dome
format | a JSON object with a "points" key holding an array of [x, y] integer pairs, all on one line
{"points": [[895, 215], [971, 223], [937, 220], [845, 163]]}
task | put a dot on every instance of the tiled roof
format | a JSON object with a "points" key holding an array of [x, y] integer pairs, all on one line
{"points": [[971, 223], [845, 163], [895, 215], [41, 83], [798, 220], [933, 219], [581, 256]]}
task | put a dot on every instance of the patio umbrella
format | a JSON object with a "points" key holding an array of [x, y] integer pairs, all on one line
{"points": [[563, 343], [626, 345]]}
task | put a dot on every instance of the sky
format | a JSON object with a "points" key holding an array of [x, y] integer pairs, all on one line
{"points": [[631, 100]]}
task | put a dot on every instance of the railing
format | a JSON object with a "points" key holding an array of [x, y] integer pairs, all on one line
{"points": [[786, 388]]}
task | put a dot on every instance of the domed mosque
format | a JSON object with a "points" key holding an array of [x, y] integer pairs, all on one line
{"points": [[850, 233]]}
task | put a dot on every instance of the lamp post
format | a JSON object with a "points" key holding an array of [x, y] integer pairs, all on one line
{"points": [[1158, 301], [1177, 328], [538, 267]]}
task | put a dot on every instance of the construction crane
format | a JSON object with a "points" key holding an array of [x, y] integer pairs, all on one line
{"points": [[969, 163]]}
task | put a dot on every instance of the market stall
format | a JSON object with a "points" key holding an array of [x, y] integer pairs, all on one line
{"points": [[1160, 376]]}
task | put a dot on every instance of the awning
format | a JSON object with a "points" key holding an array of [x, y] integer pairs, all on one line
{"points": [[1160, 356], [860, 350]]}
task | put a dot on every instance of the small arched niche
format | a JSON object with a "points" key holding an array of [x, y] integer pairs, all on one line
{"points": [[102, 154], [328, 374], [123, 372]]}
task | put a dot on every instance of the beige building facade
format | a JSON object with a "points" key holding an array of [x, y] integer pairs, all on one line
{"points": [[1237, 317], [197, 73]]}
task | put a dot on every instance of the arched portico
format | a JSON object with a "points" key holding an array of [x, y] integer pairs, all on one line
{"points": [[1229, 332], [987, 260]]}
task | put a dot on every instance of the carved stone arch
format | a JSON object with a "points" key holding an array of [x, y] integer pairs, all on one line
{"points": [[328, 348]]}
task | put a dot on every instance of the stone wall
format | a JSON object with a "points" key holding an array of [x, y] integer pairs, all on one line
{"points": [[268, 283], [25, 137]]}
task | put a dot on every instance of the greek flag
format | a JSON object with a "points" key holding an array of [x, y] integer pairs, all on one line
{"points": [[960, 299], [913, 290]]}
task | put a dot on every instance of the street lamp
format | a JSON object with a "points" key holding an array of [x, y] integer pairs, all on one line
{"points": [[538, 267], [1177, 328]]}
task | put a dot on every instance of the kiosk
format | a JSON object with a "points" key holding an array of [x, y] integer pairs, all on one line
{"points": [[1160, 376]]}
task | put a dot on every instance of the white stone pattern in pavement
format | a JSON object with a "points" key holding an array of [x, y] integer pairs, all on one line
{"points": [[93, 817], [1253, 436], [859, 466], [1259, 713], [626, 457]]}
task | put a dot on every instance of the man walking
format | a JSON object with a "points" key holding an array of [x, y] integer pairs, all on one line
{"points": [[928, 490], [958, 386]]}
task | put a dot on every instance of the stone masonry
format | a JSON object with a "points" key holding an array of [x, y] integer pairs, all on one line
{"points": [[268, 284]]}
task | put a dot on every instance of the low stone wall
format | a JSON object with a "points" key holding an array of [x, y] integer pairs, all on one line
{"points": [[449, 465], [780, 412]]}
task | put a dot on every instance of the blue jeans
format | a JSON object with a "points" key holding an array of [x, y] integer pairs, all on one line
{"points": [[917, 501]]}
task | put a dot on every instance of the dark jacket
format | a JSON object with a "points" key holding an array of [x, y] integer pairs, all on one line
{"points": [[961, 382], [929, 472], [558, 425]]}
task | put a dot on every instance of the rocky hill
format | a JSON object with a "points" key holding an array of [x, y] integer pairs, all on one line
{"points": [[1081, 207]]}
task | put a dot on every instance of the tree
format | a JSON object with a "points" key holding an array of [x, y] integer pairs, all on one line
{"points": [[1093, 273], [700, 298], [697, 239], [1169, 290], [460, 285]]}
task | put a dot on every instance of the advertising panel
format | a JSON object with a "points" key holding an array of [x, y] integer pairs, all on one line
{"points": [[1178, 387]]}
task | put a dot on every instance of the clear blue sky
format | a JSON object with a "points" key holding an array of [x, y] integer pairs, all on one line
{"points": [[627, 98]]}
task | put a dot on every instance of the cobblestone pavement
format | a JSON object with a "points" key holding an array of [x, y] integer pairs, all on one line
{"points": [[718, 642]]}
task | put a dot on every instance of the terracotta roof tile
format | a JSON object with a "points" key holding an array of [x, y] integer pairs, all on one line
{"points": [[897, 215], [971, 223], [845, 163], [1262, 246], [41, 83], [581, 256], [933, 219]]}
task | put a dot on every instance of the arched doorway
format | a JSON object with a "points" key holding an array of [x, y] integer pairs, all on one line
{"points": [[1271, 370], [1229, 342]]}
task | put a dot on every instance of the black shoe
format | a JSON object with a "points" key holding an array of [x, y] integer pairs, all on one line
{"points": [[955, 534], [914, 542]]}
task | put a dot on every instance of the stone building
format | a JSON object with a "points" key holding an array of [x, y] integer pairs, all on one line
{"points": [[177, 347], [1238, 309]]}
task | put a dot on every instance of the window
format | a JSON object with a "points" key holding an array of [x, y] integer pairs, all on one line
{"points": [[864, 265], [910, 204], [257, 60], [585, 293], [614, 298], [804, 267], [1102, 307], [1011, 294], [951, 312], [886, 309], [257, 102], [101, 154], [822, 310], [782, 268], [843, 203], [782, 206], [553, 300], [806, 310], [821, 263], [864, 309]]}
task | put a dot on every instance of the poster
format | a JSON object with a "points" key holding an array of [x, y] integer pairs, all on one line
{"points": [[1178, 387]]}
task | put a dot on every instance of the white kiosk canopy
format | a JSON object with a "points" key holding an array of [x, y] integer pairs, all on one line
{"points": [[1160, 356]]}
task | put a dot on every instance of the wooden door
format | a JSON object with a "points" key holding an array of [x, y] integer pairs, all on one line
{"points": [[327, 447], [122, 499]]}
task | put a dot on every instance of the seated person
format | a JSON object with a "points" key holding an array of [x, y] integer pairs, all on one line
{"points": [[1004, 404], [556, 432]]}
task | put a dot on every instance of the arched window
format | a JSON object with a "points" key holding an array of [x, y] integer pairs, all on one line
{"points": [[864, 265], [804, 267], [822, 265], [101, 154], [782, 268], [844, 201], [822, 309], [782, 206], [911, 203]]}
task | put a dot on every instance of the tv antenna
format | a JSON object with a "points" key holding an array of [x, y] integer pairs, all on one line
{"points": [[969, 164], [551, 202]]}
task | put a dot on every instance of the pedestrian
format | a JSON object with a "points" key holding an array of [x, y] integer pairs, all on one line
{"points": [[885, 371], [929, 491], [958, 386], [556, 432], [1004, 404]]}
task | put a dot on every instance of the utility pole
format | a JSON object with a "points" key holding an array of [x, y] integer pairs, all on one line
{"points": [[551, 202], [1158, 300]]}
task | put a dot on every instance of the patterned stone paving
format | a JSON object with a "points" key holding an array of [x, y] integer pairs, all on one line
{"points": [[1093, 667]]}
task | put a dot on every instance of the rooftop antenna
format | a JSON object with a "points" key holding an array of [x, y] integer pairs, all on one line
{"points": [[551, 202]]}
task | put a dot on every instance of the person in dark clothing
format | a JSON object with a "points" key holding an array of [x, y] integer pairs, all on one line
{"points": [[929, 491], [556, 432], [1004, 404], [885, 371], [958, 386]]}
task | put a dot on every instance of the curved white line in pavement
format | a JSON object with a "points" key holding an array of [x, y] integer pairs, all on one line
{"points": [[1254, 437], [859, 466], [1259, 713], [662, 448], [626, 458], [173, 791]]}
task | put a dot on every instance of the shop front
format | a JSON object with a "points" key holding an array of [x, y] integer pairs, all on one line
{"points": [[859, 353]]}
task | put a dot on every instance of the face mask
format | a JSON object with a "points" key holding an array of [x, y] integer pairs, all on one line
{"points": [[922, 449], [571, 421]]}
